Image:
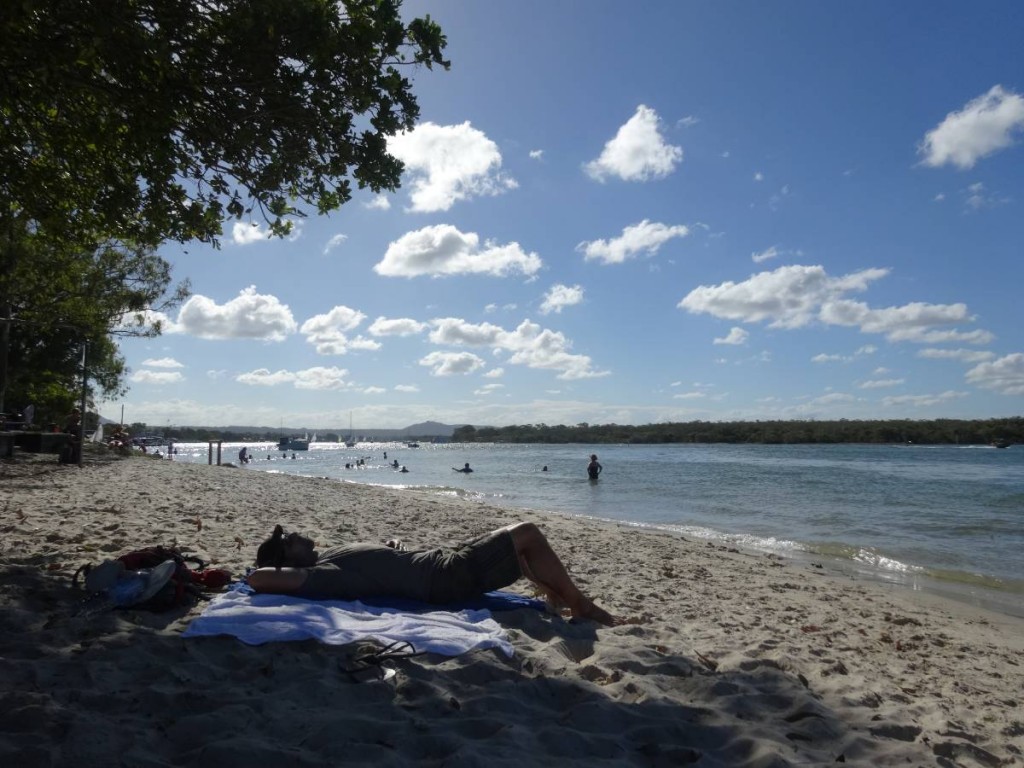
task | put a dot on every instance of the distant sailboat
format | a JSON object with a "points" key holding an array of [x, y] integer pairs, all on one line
{"points": [[313, 438], [350, 441]]}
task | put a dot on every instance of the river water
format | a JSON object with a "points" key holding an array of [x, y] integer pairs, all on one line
{"points": [[948, 519]]}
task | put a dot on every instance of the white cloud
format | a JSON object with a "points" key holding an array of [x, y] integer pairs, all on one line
{"points": [[765, 255], [689, 396], [528, 345], [789, 297], [922, 401], [374, 391], [984, 126], [794, 296], [881, 383], [396, 326], [645, 237], [248, 316], [637, 152], [157, 377], [488, 389], [262, 377], [494, 373], [963, 355], [163, 362], [823, 358], [451, 363], [449, 163], [378, 203], [560, 296], [334, 242], [1005, 375], [327, 333], [536, 154], [735, 336], [406, 388], [246, 234], [688, 122], [758, 176], [310, 378], [443, 250], [321, 378]]}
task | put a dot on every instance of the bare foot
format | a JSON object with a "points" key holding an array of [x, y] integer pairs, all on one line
{"points": [[589, 610]]}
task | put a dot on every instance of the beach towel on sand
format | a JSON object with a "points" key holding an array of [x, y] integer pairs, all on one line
{"points": [[450, 630]]}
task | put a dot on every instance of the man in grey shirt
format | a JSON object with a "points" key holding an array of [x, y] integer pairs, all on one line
{"points": [[288, 563]]}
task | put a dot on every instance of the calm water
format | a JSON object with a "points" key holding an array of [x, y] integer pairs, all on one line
{"points": [[947, 519]]}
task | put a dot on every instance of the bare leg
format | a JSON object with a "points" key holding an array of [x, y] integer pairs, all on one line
{"points": [[541, 565]]}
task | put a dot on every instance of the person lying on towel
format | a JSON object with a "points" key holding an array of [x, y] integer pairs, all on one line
{"points": [[288, 564]]}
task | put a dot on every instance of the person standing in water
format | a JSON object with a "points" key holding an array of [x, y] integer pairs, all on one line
{"points": [[594, 468]]}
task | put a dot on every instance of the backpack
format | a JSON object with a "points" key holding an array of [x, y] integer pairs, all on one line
{"points": [[185, 586]]}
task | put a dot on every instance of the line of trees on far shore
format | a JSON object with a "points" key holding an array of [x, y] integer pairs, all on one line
{"points": [[934, 432]]}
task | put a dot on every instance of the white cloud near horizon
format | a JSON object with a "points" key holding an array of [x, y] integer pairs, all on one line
{"points": [[638, 152], [923, 401], [963, 355], [559, 297], [984, 126], [449, 163], [645, 237], [881, 383], [443, 250], [328, 333], [250, 315]]}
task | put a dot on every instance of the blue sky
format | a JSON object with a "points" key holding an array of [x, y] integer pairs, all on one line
{"points": [[643, 212]]}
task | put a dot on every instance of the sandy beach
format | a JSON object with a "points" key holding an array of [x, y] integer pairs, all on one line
{"points": [[735, 659]]}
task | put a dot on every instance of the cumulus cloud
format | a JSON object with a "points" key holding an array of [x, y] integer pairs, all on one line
{"points": [[443, 250], [823, 358], [560, 296], [985, 125], [246, 233], [451, 363], [794, 296], [378, 203], [449, 163], [328, 333], [334, 242], [396, 326], [250, 315], [1005, 375], [406, 388], [317, 378], [963, 355], [689, 396], [637, 152], [645, 237], [789, 297], [536, 154], [528, 345], [488, 389], [735, 336], [163, 362], [157, 377], [765, 255], [494, 373]]}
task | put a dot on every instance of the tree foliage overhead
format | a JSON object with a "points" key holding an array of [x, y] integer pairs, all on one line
{"points": [[151, 120]]}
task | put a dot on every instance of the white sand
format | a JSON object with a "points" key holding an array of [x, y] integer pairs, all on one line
{"points": [[812, 668]]}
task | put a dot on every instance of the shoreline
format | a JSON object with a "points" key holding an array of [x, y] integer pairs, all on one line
{"points": [[809, 666]]}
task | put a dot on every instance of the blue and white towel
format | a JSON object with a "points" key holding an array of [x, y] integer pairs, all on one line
{"points": [[263, 618]]}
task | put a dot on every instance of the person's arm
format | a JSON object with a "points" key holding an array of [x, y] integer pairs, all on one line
{"points": [[278, 581]]}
